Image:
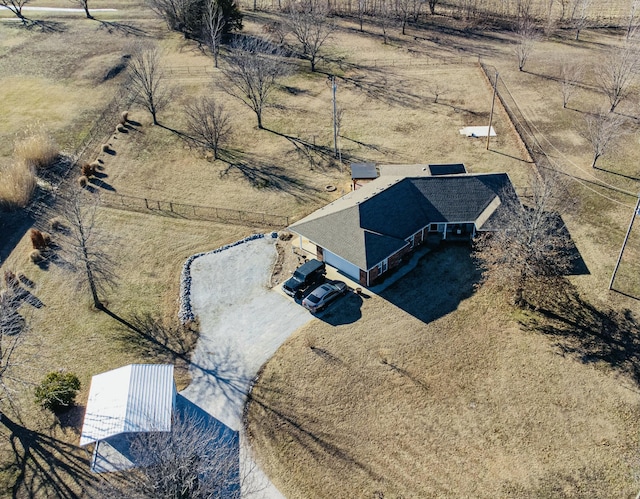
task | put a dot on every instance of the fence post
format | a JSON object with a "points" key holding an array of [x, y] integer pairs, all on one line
{"points": [[158, 201], [171, 206], [146, 203]]}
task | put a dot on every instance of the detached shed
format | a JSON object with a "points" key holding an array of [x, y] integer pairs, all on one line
{"points": [[128, 400]]}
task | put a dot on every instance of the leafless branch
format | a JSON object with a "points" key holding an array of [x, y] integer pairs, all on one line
{"points": [[148, 81], [602, 131], [209, 123], [532, 242], [310, 24], [252, 72], [85, 244]]}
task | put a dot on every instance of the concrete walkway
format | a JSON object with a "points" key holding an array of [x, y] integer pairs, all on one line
{"points": [[242, 324]]}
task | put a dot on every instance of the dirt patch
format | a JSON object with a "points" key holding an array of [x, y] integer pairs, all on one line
{"points": [[289, 259]]}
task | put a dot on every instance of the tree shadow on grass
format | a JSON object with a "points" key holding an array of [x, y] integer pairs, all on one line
{"points": [[265, 176], [153, 337], [303, 427], [587, 333], [46, 26], [13, 226], [43, 466], [121, 28], [439, 282]]}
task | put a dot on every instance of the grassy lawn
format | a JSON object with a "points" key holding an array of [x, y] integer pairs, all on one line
{"points": [[435, 392], [431, 375]]}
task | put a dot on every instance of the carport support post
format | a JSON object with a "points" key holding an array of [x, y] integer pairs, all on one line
{"points": [[636, 211], [493, 103]]}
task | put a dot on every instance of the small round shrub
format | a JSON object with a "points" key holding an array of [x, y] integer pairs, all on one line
{"points": [[10, 279], [87, 170], [36, 256], [124, 117], [38, 240], [82, 181], [46, 238], [58, 390], [105, 148], [95, 165]]}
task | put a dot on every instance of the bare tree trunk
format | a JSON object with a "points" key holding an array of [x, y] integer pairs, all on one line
{"points": [[147, 80], [84, 244]]}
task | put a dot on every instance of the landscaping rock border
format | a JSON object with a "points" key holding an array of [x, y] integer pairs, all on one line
{"points": [[185, 313]]}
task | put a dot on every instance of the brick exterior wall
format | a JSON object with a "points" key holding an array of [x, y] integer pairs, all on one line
{"points": [[319, 254]]}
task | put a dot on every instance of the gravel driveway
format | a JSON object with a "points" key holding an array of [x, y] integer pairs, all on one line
{"points": [[242, 323]]}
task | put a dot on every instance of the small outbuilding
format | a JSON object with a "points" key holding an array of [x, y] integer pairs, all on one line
{"points": [[122, 402], [362, 172]]}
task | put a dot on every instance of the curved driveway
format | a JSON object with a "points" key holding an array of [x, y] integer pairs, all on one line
{"points": [[242, 324]]}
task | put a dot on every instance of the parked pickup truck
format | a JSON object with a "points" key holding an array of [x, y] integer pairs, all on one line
{"points": [[306, 275]]}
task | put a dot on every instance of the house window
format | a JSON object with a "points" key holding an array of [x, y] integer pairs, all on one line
{"points": [[383, 266]]}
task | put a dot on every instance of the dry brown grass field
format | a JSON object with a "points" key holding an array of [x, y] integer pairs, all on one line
{"points": [[428, 376]]}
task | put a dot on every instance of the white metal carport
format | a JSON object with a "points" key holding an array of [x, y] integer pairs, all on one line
{"points": [[131, 399]]}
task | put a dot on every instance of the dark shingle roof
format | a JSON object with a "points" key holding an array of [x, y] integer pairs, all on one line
{"points": [[449, 169], [366, 229], [363, 170]]}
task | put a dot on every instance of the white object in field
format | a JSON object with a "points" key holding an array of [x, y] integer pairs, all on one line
{"points": [[477, 131]]}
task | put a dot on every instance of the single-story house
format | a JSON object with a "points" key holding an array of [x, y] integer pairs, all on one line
{"points": [[128, 400], [370, 231]]}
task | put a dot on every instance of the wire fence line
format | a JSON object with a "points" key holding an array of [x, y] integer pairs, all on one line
{"points": [[416, 61], [191, 211]]}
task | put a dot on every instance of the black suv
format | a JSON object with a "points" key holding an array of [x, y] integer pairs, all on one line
{"points": [[307, 274]]}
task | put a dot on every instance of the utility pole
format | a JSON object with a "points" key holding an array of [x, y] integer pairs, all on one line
{"points": [[636, 211], [493, 103], [334, 87]]}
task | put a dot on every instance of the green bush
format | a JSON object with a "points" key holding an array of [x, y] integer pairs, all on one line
{"points": [[58, 390]]}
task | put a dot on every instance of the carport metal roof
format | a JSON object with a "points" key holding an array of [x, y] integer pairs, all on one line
{"points": [[133, 398]]}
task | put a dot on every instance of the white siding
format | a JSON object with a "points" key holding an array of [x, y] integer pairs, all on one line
{"points": [[342, 265]]}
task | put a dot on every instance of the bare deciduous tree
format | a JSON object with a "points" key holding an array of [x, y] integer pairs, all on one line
{"points": [[437, 88], [84, 244], [214, 25], [148, 81], [15, 6], [209, 123], [310, 24], [602, 131], [405, 10], [361, 12], [617, 72], [432, 6], [194, 460], [570, 75], [12, 327], [532, 243], [526, 36], [384, 17], [633, 10], [83, 4], [580, 15], [252, 72]]}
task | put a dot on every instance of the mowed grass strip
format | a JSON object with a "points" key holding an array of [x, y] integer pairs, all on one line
{"points": [[433, 392]]}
